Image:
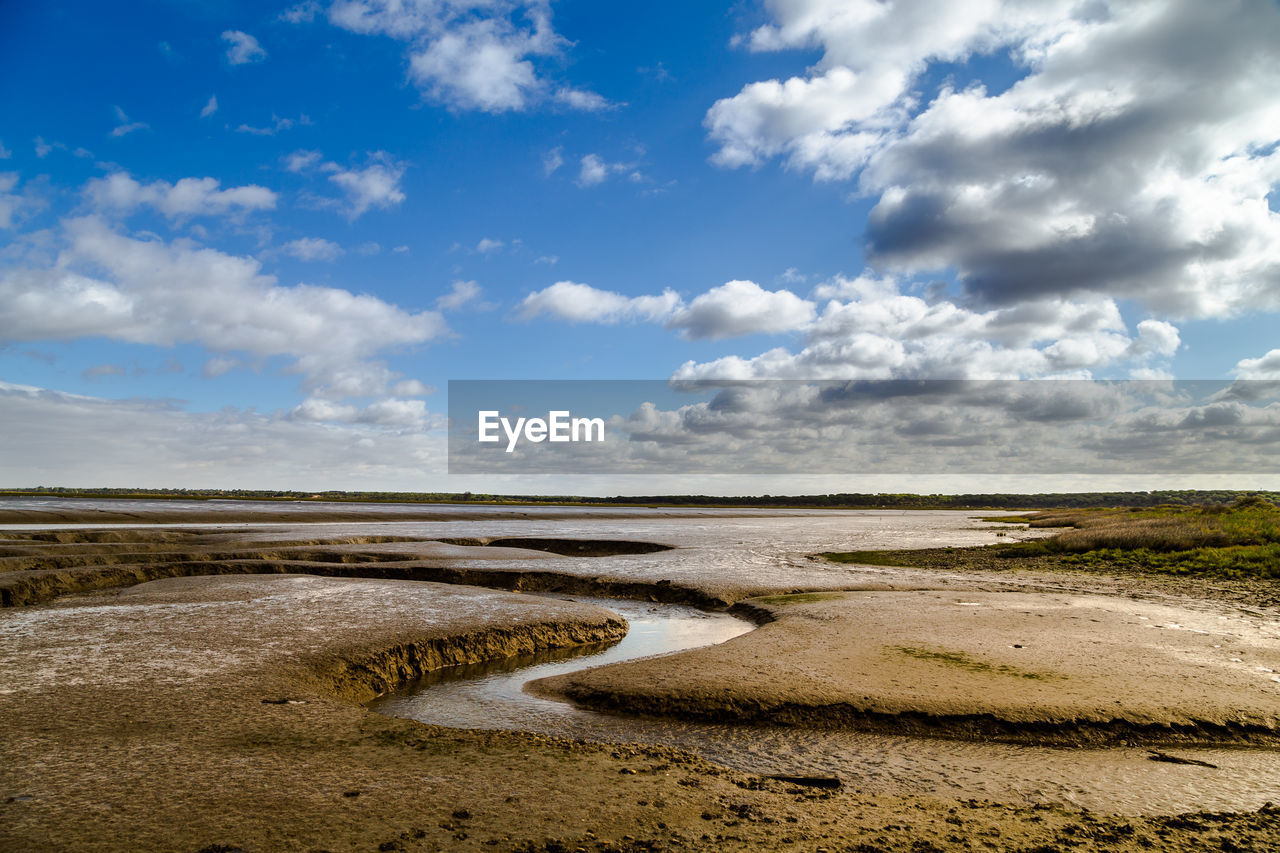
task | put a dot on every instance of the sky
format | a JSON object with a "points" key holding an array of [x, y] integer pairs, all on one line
{"points": [[248, 245]]}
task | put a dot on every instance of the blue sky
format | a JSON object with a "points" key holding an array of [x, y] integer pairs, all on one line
{"points": [[293, 221]]}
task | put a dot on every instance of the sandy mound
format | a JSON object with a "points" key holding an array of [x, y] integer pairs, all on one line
{"points": [[1022, 665]]}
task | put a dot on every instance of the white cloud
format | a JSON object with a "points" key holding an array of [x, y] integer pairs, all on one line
{"points": [[301, 13], [123, 128], [460, 294], [188, 197], [595, 170], [1134, 159], [472, 54], [479, 66], [5, 153], [85, 441], [210, 108], [105, 284], [487, 245], [377, 185], [739, 308], [218, 366], [1265, 367], [243, 48], [869, 328], [387, 412], [582, 303], [580, 99], [42, 148], [277, 125], [552, 160], [733, 309], [10, 202], [312, 249], [411, 388], [302, 160]]}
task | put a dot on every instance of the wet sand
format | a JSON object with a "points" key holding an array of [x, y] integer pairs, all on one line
{"points": [[1030, 667], [194, 712]]}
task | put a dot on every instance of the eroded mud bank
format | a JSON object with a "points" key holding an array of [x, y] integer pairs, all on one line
{"points": [[198, 712]]}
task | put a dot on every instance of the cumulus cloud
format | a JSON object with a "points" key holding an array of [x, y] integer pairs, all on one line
{"points": [[580, 99], [377, 185], [1265, 367], [82, 441], [582, 303], [868, 327], [302, 160], [106, 284], [188, 197], [242, 48], [210, 108], [739, 308], [1133, 159], [219, 366], [312, 249], [374, 185], [488, 244], [733, 309], [1056, 429], [11, 203], [411, 388], [461, 293], [472, 54], [594, 169]]}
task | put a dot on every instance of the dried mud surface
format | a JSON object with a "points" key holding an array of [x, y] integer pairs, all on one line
{"points": [[220, 712]]}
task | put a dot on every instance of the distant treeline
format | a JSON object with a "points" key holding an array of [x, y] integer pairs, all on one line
{"points": [[832, 501]]}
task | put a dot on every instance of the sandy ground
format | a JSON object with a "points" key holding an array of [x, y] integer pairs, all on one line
{"points": [[1027, 666], [221, 713]]}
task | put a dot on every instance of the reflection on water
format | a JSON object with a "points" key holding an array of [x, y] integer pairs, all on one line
{"points": [[491, 696]]}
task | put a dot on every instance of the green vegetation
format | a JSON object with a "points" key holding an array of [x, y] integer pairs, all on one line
{"points": [[963, 661], [1236, 540], [799, 598]]}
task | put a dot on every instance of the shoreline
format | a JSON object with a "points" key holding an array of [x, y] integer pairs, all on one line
{"points": [[313, 769]]}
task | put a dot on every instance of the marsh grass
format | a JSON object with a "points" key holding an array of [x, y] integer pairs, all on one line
{"points": [[1237, 540]]}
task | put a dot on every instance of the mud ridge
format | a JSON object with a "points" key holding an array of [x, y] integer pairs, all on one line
{"points": [[565, 547], [364, 677], [982, 727], [26, 587]]}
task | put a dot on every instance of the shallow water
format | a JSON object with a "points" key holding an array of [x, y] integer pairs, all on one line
{"points": [[768, 551], [492, 696]]}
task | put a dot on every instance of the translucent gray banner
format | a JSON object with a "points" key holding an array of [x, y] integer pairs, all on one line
{"points": [[864, 427]]}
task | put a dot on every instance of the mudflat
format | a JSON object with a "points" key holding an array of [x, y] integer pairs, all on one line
{"points": [[222, 711], [1036, 667]]}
